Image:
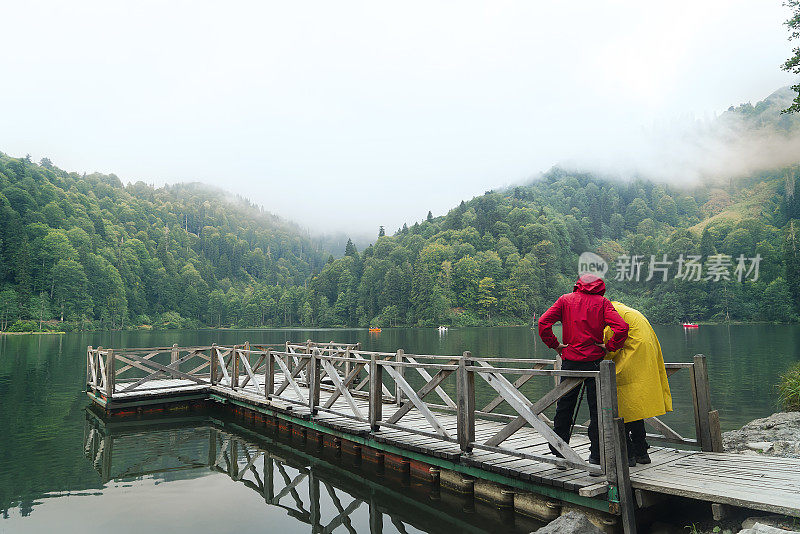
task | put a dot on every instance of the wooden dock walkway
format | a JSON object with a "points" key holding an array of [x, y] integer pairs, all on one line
{"points": [[386, 401]]}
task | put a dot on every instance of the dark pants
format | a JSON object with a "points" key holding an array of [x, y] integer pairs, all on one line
{"points": [[565, 409], [637, 438]]}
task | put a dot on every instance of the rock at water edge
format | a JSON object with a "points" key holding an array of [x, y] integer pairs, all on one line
{"points": [[570, 523]]}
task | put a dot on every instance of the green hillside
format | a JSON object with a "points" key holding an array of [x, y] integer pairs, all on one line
{"points": [[505, 256], [88, 252]]}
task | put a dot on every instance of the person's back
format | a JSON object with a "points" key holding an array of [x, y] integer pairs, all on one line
{"points": [[584, 314], [642, 386]]}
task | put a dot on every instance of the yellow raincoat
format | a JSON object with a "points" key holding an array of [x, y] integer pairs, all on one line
{"points": [[642, 387]]}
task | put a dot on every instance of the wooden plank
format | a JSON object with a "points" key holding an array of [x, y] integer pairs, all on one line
{"points": [[314, 382], [432, 384], [152, 375], [776, 503], [566, 385], [439, 391], [398, 393], [350, 376], [465, 381], [702, 400], [111, 374], [132, 364], [375, 394], [594, 491], [522, 405], [626, 499], [607, 413], [289, 379], [715, 431], [342, 389], [169, 370], [412, 396], [498, 400], [269, 374], [662, 427]]}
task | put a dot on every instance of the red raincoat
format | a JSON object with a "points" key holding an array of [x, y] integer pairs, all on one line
{"points": [[584, 314]]}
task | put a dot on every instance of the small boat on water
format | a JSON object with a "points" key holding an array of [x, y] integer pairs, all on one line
{"points": [[691, 325], [375, 330], [442, 329]]}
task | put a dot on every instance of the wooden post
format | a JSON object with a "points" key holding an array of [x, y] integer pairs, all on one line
{"points": [[606, 414], [269, 485], [314, 502], [716, 431], [375, 393], [557, 367], [375, 518], [313, 382], [465, 403], [214, 364], [105, 466], [398, 393], [88, 367], [614, 445], [174, 354], [624, 489], [234, 456], [235, 373], [347, 363], [246, 353], [111, 379], [269, 374], [702, 399], [212, 447], [96, 362]]}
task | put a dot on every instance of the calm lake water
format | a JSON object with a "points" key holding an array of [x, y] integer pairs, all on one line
{"points": [[160, 474]]}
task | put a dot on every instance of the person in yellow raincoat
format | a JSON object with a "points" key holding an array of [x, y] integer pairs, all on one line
{"points": [[642, 387]]}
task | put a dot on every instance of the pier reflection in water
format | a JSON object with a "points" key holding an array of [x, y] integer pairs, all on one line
{"points": [[323, 489]]}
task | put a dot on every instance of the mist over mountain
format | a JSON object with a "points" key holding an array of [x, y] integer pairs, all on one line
{"points": [[85, 251], [743, 140]]}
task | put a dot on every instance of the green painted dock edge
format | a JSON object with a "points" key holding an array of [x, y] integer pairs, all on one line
{"points": [[602, 505]]}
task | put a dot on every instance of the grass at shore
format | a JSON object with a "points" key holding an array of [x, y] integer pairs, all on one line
{"points": [[789, 389]]}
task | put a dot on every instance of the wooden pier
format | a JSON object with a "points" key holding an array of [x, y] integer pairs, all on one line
{"points": [[422, 409]]}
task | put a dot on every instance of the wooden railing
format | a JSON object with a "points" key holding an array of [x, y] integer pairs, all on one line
{"points": [[110, 372], [422, 385]]}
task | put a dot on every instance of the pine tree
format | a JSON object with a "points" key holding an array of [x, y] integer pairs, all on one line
{"points": [[350, 248]]}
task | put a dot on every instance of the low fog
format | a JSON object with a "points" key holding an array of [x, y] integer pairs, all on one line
{"points": [[737, 143], [350, 115]]}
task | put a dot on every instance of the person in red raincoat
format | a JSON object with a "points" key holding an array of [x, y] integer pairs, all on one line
{"points": [[584, 314]]}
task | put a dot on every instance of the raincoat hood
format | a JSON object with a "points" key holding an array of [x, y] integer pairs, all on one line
{"points": [[590, 283]]}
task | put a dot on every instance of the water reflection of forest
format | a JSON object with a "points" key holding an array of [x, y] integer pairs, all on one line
{"points": [[318, 486]]}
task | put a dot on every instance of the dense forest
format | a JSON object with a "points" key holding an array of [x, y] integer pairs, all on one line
{"points": [[86, 251]]}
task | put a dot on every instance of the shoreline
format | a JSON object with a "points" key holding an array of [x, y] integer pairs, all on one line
{"points": [[148, 328], [39, 333]]}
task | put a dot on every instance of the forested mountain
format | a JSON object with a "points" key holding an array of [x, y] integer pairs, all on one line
{"points": [[507, 255], [94, 253], [88, 252]]}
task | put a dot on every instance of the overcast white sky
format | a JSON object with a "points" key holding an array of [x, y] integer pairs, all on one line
{"points": [[348, 115]]}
